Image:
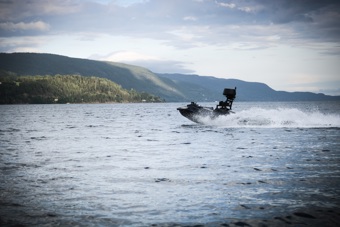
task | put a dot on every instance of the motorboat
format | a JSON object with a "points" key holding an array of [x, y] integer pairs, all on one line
{"points": [[195, 112]]}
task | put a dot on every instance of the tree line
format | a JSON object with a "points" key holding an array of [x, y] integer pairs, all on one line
{"points": [[65, 89]]}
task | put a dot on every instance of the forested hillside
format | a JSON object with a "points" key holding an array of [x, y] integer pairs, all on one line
{"points": [[128, 76], [65, 89], [169, 87]]}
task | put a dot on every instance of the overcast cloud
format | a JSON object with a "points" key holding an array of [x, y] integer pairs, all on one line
{"points": [[288, 44]]}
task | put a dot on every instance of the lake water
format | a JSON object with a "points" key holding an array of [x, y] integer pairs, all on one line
{"points": [[145, 164]]}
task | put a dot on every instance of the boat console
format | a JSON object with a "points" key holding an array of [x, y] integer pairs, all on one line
{"points": [[230, 94]]}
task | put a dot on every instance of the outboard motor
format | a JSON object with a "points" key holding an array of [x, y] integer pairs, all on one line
{"points": [[230, 94]]}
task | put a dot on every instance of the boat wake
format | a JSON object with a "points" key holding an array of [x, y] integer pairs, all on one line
{"points": [[275, 118]]}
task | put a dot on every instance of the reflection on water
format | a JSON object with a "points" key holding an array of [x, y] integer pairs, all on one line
{"points": [[144, 164]]}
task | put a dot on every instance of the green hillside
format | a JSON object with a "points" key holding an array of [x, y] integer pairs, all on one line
{"points": [[65, 89], [128, 76], [169, 87]]}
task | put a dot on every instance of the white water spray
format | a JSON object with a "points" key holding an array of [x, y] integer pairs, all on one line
{"points": [[275, 118]]}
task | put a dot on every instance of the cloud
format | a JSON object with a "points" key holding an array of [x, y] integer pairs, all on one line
{"points": [[13, 10], [244, 6], [313, 20], [155, 19], [22, 44], [153, 63], [177, 23], [38, 25], [190, 18], [228, 5], [125, 56], [164, 66]]}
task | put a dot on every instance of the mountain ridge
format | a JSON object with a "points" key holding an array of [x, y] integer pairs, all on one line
{"points": [[170, 87], [248, 91], [128, 76]]}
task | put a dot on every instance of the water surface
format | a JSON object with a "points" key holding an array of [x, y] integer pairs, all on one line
{"points": [[145, 164]]}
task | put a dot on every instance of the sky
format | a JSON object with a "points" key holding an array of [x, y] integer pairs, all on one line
{"points": [[291, 45]]}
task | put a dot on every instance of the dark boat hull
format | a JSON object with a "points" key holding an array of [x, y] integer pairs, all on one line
{"points": [[195, 112]]}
